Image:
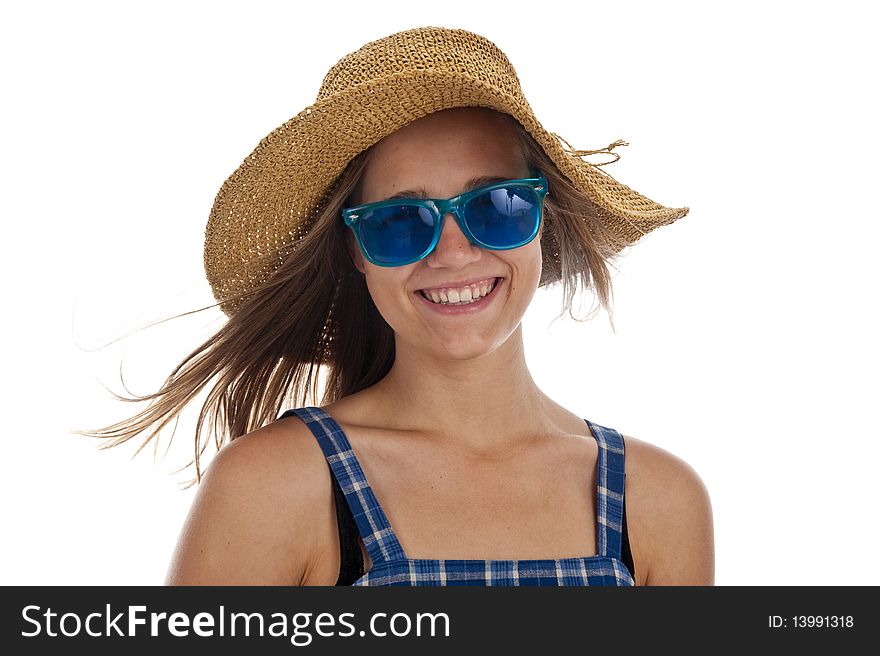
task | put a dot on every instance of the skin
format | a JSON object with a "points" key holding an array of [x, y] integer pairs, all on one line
{"points": [[467, 456]]}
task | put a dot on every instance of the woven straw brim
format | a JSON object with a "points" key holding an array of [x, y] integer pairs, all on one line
{"points": [[272, 199]]}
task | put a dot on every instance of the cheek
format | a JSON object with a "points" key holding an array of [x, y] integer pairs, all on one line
{"points": [[387, 291], [527, 267], [531, 257]]}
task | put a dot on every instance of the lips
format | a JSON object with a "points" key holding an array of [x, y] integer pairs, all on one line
{"points": [[454, 295], [459, 284], [461, 309]]}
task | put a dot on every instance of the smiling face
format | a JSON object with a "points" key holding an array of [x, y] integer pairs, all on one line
{"points": [[440, 156]]}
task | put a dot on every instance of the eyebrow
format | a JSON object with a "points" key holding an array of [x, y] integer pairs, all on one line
{"points": [[473, 183]]}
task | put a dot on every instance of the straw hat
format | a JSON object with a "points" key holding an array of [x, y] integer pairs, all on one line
{"points": [[272, 199]]}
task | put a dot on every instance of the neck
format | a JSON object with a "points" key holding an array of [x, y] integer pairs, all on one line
{"points": [[480, 405]]}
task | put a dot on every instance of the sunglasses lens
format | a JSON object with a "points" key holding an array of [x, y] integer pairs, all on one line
{"points": [[504, 218], [397, 233]]}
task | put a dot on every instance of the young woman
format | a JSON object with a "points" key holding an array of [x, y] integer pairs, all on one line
{"points": [[392, 236]]}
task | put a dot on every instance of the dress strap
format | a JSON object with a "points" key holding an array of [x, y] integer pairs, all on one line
{"points": [[378, 536], [609, 490]]}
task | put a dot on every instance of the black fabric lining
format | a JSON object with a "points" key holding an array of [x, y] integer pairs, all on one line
{"points": [[625, 554], [351, 560]]}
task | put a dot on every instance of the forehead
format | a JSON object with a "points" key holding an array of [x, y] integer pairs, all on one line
{"points": [[441, 150]]}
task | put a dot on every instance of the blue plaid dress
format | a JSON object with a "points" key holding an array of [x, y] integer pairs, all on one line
{"points": [[391, 566]]}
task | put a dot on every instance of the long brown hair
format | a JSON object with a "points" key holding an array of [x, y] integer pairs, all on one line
{"points": [[316, 312]]}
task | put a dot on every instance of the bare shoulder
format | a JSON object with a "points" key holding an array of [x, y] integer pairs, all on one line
{"points": [[669, 518], [253, 519]]}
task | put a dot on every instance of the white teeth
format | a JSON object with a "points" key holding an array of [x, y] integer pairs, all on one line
{"points": [[454, 297]]}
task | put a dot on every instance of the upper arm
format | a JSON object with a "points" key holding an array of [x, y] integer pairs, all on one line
{"points": [[252, 520], [674, 527]]}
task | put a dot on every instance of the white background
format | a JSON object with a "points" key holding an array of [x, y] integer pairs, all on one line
{"points": [[746, 338]]}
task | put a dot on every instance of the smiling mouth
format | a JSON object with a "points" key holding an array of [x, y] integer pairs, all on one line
{"points": [[461, 296]]}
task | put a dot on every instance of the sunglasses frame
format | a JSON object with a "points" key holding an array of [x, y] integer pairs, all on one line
{"points": [[440, 207]]}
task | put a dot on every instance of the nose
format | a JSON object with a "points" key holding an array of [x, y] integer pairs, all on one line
{"points": [[453, 248]]}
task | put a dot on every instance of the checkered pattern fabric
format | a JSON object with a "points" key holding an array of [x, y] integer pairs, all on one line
{"points": [[390, 565]]}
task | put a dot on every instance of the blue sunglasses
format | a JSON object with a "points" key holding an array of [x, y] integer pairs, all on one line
{"points": [[499, 216]]}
